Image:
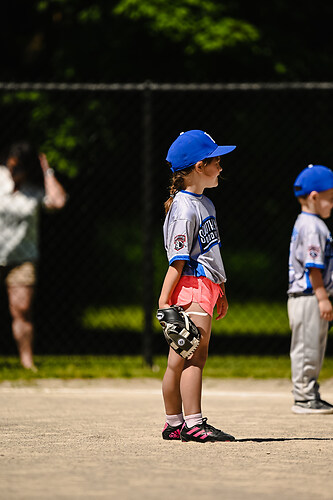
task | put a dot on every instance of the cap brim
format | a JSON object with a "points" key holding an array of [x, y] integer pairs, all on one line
{"points": [[221, 150]]}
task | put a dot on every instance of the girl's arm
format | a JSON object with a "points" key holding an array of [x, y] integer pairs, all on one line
{"points": [[170, 281], [222, 304], [325, 306]]}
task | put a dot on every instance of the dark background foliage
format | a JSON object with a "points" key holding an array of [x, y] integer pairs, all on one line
{"points": [[182, 41], [92, 252]]}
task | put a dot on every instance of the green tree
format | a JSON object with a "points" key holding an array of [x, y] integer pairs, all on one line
{"points": [[199, 25], [184, 40]]}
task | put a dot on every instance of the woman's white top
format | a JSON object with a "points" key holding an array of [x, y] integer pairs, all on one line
{"points": [[19, 220]]}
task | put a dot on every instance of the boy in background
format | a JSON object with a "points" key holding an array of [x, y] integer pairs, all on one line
{"points": [[310, 287]]}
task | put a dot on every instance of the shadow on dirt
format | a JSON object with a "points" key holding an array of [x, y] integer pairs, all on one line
{"points": [[269, 440]]}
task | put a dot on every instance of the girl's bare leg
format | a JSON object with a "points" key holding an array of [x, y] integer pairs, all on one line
{"points": [[182, 382], [171, 384], [191, 377], [20, 300]]}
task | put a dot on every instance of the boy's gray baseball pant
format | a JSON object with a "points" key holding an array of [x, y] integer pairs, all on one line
{"points": [[308, 344]]}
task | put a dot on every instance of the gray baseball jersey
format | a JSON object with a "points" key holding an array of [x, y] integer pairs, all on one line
{"points": [[191, 234], [310, 246]]}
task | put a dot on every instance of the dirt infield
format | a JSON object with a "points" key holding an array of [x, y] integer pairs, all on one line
{"points": [[102, 440]]}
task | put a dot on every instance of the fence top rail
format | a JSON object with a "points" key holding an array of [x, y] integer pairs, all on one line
{"points": [[163, 87]]}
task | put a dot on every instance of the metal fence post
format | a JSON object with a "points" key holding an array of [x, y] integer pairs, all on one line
{"points": [[147, 191]]}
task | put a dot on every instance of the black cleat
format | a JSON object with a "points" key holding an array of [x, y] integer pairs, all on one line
{"points": [[171, 433], [204, 433], [313, 406]]}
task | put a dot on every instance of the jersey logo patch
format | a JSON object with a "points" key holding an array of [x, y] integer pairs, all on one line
{"points": [[314, 252], [179, 241], [208, 234]]}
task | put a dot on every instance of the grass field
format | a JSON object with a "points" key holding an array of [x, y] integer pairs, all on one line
{"points": [[89, 367], [254, 318], [251, 317]]}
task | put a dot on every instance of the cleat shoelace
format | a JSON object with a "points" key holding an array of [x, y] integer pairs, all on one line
{"points": [[209, 427]]}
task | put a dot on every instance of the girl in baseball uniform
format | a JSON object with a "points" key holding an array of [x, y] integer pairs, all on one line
{"points": [[194, 280]]}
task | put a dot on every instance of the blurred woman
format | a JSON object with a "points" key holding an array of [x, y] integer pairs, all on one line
{"points": [[27, 183]]}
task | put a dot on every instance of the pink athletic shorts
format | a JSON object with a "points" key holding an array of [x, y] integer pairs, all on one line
{"points": [[201, 290]]}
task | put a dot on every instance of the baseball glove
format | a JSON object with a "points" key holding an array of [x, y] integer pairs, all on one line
{"points": [[179, 330]]}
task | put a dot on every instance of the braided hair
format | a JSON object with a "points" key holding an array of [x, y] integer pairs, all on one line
{"points": [[178, 182]]}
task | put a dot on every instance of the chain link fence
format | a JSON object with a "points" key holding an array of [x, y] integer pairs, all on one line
{"points": [[102, 257]]}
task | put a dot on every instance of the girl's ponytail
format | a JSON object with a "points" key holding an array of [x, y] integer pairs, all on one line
{"points": [[177, 184]]}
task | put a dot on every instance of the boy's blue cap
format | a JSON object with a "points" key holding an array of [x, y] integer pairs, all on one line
{"points": [[193, 146], [313, 178]]}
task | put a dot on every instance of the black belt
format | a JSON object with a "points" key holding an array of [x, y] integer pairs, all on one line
{"points": [[300, 294]]}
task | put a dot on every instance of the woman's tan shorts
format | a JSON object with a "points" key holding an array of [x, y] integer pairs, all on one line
{"points": [[19, 275]]}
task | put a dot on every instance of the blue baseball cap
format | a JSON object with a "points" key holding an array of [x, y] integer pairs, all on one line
{"points": [[313, 178], [193, 146]]}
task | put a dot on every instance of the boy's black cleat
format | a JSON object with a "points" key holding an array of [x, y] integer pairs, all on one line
{"points": [[204, 433], [314, 406], [171, 433]]}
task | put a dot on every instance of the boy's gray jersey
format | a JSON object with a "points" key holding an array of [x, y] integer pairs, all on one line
{"points": [[310, 247], [191, 234]]}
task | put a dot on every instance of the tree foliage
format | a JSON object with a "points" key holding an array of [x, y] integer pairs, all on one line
{"points": [[184, 40], [158, 40], [201, 26]]}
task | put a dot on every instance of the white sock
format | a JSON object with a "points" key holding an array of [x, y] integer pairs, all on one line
{"points": [[195, 419], [175, 420]]}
